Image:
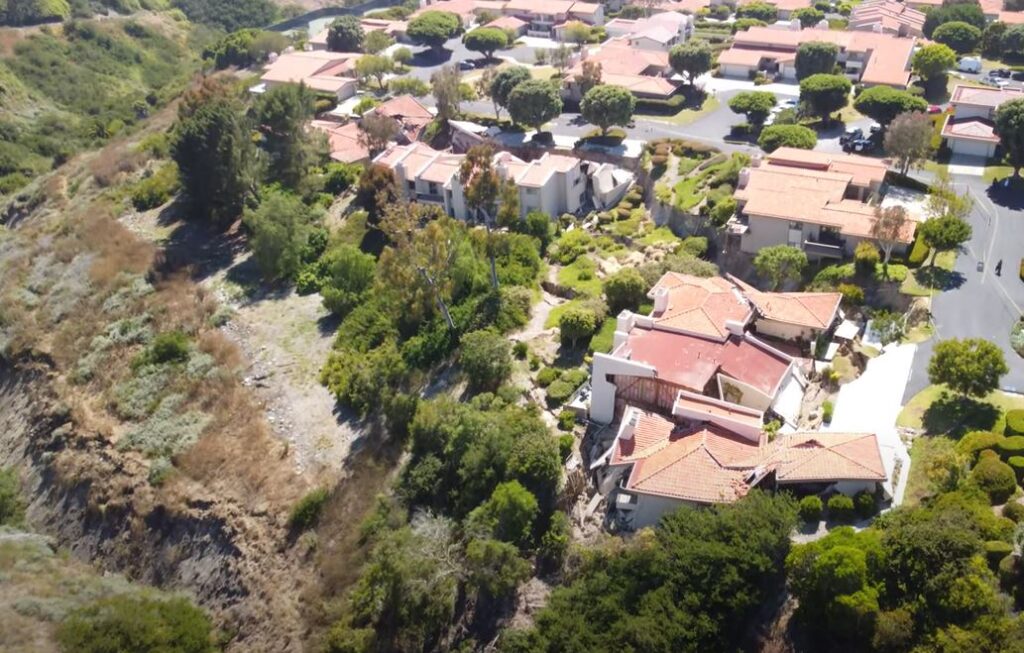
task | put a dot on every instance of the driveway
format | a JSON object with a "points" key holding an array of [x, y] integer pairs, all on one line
{"points": [[982, 304], [872, 402]]}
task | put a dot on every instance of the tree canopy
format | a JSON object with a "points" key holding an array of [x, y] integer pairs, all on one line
{"points": [[908, 140], [971, 366], [433, 28], [534, 102], [965, 12], [960, 36], [606, 105], [136, 623], [755, 105], [759, 10], [808, 16], [933, 61], [775, 136], [229, 15], [884, 103], [486, 40], [1010, 128], [691, 59], [345, 34], [824, 94], [280, 115], [780, 263], [944, 233], [506, 80], [816, 58]]}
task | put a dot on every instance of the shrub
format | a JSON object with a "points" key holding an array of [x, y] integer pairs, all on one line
{"points": [[519, 350], [975, 442], [307, 511], [625, 289], [555, 542], [995, 551], [134, 622], [566, 421], [1012, 446], [11, 507], [776, 136], [826, 411], [864, 503], [485, 358], [547, 376], [994, 477], [167, 347], [852, 294], [810, 509], [1014, 510], [919, 252], [156, 189], [1017, 464], [866, 258], [1015, 422], [840, 508], [694, 246]]}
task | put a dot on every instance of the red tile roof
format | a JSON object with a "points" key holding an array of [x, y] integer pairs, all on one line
{"points": [[983, 97], [343, 140], [975, 129], [826, 456], [698, 305]]}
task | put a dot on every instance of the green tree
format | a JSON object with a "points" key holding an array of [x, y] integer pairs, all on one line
{"points": [[486, 40], [29, 12], [1010, 128], [495, 568], [1012, 42], [280, 228], [413, 86], [588, 77], [534, 102], [345, 34], [377, 190], [965, 12], [992, 39], [691, 59], [375, 66], [961, 37], [625, 289], [508, 515], [775, 136], [229, 15], [944, 233], [578, 33], [503, 83], [12, 509], [808, 17], [890, 229], [759, 10], [486, 358], [349, 276], [780, 263], [213, 149], [605, 105], [971, 366], [884, 103], [245, 48], [743, 24], [136, 623], [281, 115], [445, 84], [577, 323], [755, 105], [433, 28], [816, 58], [823, 94], [378, 40], [994, 477], [908, 140], [932, 62]]}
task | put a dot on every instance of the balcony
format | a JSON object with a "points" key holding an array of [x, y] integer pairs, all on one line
{"points": [[429, 197], [824, 249]]}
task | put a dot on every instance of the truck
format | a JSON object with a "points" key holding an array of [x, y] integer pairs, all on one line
{"points": [[969, 65]]}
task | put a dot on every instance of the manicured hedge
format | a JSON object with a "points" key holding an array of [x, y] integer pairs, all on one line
{"points": [[1015, 422], [975, 442], [994, 477], [1014, 511], [995, 551], [919, 252], [1017, 463], [651, 105], [865, 504], [1012, 446], [810, 509], [840, 508]]}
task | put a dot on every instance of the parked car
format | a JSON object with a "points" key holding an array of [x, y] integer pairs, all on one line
{"points": [[969, 65], [934, 108], [875, 129], [467, 64], [1018, 76], [851, 135], [1000, 72], [790, 104], [860, 146]]}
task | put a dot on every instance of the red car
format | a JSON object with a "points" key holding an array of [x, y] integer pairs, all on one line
{"points": [[934, 108]]}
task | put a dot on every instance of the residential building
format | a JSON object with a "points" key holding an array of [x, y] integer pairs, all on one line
{"points": [[646, 73], [510, 24], [554, 183], [662, 31], [325, 72], [707, 452], [346, 142], [887, 17], [466, 10], [409, 113], [867, 57], [543, 16], [343, 140], [819, 202], [393, 28], [710, 336], [969, 129]]}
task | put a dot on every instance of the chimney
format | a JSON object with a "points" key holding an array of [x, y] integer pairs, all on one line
{"points": [[734, 327], [743, 178], [660, 300], [629, 425], [624, 321], [755, 160]]}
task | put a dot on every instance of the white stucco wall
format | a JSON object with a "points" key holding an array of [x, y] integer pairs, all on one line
{"points": [[602, 398], [764, 232], [650, 509], [752, 397], [735, 71], [783, 330]]}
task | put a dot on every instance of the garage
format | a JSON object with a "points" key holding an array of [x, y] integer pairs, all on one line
{"points": [[971, 147], [971, 136], [736, 71]]}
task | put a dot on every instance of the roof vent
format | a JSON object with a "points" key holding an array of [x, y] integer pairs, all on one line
{"points": [[734, 327], [660, 300], [743, 178], [629, 426]]}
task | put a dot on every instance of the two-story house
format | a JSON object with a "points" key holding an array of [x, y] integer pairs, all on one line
{"points": [[662, 31], [815, 201], [969, 129], [644, 72], [331, 73]]}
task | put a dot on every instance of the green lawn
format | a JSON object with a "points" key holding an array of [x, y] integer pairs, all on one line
{"points": [[686, 116], [687, 195], [659, 236], [993, 173], [602, 341], [687, 164], [926, 280], [924, 450], [581, 276], [938, 411]]}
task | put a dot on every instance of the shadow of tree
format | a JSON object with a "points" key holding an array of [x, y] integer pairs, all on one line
{"points": [[955, 415], [1008, 193], [938, 278]]}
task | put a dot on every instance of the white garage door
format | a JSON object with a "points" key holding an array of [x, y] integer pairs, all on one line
{"points": [[972, 148], [735, 70]]}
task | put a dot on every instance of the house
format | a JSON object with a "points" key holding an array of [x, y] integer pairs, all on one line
{"points": [[662, 31], [591, 13], [887, 17], [707, 452], [969, 129], [867, 57], [344, 141], [816, 201], [785, 8], [554, 183], [410, 114], [393, 28], [709, 336], [509, 24], [325, 72], [646, 73]]}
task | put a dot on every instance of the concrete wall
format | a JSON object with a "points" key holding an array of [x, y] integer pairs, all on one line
{"points": [[783, 330], [650, 509], [751, 396], [764, 232], [970, 147]]}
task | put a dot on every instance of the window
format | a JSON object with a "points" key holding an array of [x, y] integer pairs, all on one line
{"points": [[578, 181], [432, 188], [796, 226], [411, 184], [531, 191]]}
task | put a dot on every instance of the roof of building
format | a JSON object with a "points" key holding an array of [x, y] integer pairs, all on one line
{"points": [[887, 13], [975, 129], [1011, 17], [409, 112], [707, 463], [711, 409], [692, 361], [686, 6], [537, 172], [344, 141], [698, 305], [541, 7], [421, 161], [816, 310], [809, 457], [983, 96], [783, 5], [322, 71], [585, 8], [508, 22], [745, 56]]}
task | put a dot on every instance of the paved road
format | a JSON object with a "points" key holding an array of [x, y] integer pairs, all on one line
{"points": [[981, 304]]}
